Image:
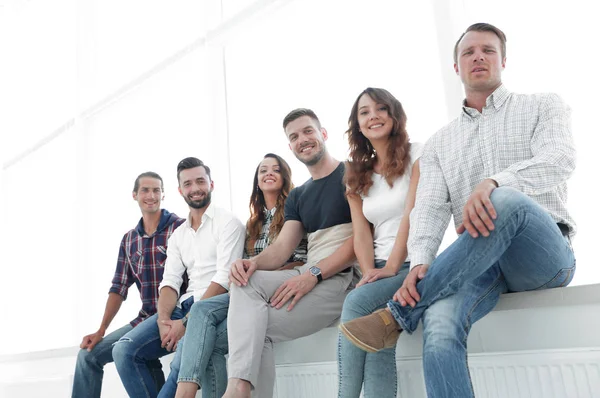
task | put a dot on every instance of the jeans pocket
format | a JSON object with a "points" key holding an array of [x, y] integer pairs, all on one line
{"points": [[561, 279]]}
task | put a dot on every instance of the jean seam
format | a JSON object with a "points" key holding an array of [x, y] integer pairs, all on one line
{"points": [[136, 367], [468, 323], [555, 277], [442, 293], [339, 365], [204, 325]]}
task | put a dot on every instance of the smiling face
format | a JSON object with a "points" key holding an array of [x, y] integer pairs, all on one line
{"points": [[306, 140], [374, 119], [195, 186], [479, 62], [149, 194], [269, 176]]}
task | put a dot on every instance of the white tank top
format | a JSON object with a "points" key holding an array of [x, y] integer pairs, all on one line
{"points": [[384, 206]]}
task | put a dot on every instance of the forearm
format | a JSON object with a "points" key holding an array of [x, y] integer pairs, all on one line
{"points": [[167, 300], [214, 289], [113, 304], [553, 151], [555, 168], [364, 251], [431, 214], [399, 251], [274, 256], [339, 260]]}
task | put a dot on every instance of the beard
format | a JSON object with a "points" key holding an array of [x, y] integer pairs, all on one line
{"points": [[198, 204], [315, 159]]}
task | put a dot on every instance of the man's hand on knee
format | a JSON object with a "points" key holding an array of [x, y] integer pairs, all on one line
{"points": [[90, 341], [295, 287], [479, 212], [163, 328], [408, 294], [176, 332]]}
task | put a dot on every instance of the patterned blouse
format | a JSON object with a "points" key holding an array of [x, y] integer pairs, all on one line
{"points": [[263, 241]]}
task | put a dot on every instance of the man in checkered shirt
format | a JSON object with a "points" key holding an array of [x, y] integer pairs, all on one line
{"points": [[141, 260], [501, 169]]}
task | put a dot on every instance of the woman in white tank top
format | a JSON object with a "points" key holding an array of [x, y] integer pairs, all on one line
{"points": [[381, 178]]}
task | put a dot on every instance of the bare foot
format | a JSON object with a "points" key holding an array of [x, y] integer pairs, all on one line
{"points": [[238, 388]]}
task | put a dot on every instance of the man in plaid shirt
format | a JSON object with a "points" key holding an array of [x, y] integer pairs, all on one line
{"points": [[142, 255], [501, 170]]}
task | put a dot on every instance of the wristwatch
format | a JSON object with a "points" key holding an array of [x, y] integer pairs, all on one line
{"points": [[316, 271]]}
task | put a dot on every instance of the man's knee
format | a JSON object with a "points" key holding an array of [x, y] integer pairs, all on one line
{"points": [[86, 358], [123, 350], [507, 199], [198, 310]]}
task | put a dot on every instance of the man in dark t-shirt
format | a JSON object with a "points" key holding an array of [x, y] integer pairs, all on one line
{"points": [[268, 307]]}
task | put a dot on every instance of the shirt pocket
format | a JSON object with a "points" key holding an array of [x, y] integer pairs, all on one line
{"points": [[160, 256], [137, 262]]}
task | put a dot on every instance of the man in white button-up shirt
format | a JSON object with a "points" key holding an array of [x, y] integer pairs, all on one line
{"points": [[203, 247], [501, 170]]}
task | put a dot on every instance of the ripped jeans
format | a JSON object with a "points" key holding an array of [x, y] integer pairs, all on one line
{"points": [[132, 352]]}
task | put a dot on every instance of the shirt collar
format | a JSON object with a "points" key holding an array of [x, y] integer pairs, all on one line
{"points": [[164, 217], [496, 99], [209, 212], [269, 212]]}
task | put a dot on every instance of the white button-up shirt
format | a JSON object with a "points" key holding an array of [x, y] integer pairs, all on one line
{"points": [[520, 141], [206, 254]]}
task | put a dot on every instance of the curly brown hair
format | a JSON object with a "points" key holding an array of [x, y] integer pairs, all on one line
{"points": [[257, 205], [359, 168]]}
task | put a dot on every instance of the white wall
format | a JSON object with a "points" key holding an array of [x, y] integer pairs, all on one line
{"points": [[96, 92]]}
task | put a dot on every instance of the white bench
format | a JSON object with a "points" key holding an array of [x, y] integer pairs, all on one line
{"points": [[534, 344]]}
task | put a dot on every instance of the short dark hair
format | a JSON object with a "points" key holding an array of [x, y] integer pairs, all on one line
{"points": [[298, 113], [190, 163], [151, 174], [483, 27]]}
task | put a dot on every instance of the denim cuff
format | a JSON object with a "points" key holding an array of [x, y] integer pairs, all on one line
{"points": [[189, 380], [400, 313]]}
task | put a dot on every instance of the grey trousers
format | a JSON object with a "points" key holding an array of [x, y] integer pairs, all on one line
{"points": [[253, 325]]}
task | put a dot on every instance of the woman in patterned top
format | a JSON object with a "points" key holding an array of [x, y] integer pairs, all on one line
{"points": [[200, 357], [272, 185], [381, 180]]}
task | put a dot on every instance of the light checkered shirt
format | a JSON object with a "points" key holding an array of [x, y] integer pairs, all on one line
{"points": [[520, 141]]}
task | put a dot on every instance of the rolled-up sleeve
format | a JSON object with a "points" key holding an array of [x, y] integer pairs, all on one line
{"points": [[553, 152], [123, 277], [229, 248], [174, 267], [431, 214]]}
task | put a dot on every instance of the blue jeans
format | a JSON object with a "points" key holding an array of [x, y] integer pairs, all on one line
{"points": [[89, 369], [378, 370], [200, 356], [132, 352], [526, 251]]}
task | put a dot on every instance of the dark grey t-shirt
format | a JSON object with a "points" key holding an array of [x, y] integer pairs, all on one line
{"points": [[321, 206]]}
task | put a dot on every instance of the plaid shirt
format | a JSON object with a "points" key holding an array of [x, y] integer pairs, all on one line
{"points": [[520, 141], [263, 241], [141, 261]]}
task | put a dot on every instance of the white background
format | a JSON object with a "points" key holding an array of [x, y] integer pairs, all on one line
{"points": [[92, 93]]}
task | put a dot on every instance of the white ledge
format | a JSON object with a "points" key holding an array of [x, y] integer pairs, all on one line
{"points": [[563, 318], [533, 344]]}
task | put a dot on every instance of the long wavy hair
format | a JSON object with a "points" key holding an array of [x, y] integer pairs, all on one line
{"points": [[362, 158], [257, 205]]}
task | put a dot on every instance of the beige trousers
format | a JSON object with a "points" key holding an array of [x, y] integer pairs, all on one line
{"points": [[253, 325]]}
